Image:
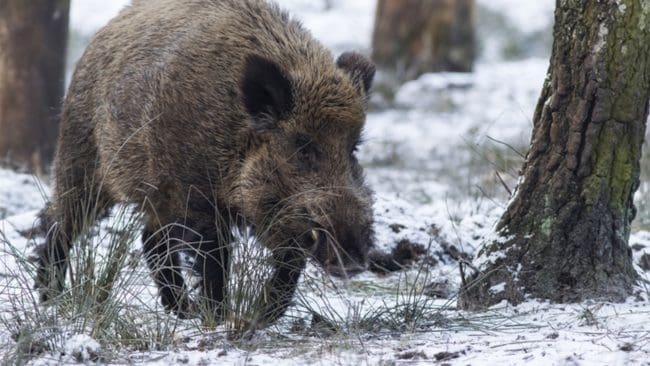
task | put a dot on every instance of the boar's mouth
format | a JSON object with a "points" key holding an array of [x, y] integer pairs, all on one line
{"points": [[324, 250]]}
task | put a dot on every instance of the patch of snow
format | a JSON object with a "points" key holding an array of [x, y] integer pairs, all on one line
{"points": [[20, 193], [500, 287], [81, 348], [483, 261], [410, 94], [354, 21], [398, 220], [431, 124], [87, 16]]}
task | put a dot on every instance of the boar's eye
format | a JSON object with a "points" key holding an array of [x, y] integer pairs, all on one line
{"points": [[307, 153]]}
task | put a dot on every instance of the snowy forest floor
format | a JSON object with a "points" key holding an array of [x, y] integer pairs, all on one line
{"points": [[438, 152]]}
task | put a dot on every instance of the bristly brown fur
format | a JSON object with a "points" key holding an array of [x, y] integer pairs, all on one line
{"points": [[207, 113]]}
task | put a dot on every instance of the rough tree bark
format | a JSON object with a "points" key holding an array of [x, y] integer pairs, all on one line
{"points": [[33, 36], [412, 37], [564, 235]]}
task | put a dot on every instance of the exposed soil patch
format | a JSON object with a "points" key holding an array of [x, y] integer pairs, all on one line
{"points": [[447, 356], [412, 355], [403, 255], [637, 247], [397, 228], [453, 252]]}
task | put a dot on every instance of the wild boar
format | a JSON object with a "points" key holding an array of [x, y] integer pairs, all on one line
{"points": [[207, 114]]}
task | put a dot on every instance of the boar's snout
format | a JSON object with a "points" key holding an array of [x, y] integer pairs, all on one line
{"points": [[342, 251]]}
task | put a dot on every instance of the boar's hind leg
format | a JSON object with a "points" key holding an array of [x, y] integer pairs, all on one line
{"points": [[279, 291], [162, 252], [76, 205], [211, 263]]}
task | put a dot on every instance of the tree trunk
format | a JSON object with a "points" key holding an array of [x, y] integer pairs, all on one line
{"points": [[564, 235], [33, 36], [412, 37]]}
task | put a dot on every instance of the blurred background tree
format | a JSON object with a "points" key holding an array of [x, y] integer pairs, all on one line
{"points": [[33, 36], [413, 37]]}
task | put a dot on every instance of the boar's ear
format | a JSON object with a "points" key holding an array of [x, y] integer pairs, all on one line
{"points": [[360, 69], [266, 90]]}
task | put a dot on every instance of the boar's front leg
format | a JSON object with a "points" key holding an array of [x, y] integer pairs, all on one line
{"points": [[211, 246], [279, 290], [162, 250]]}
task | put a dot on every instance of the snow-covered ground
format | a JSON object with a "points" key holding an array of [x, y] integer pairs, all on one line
{"points": [[431, 159]]}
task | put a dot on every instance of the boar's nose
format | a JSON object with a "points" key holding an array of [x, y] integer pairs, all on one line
{"points": [[347, 257]]}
